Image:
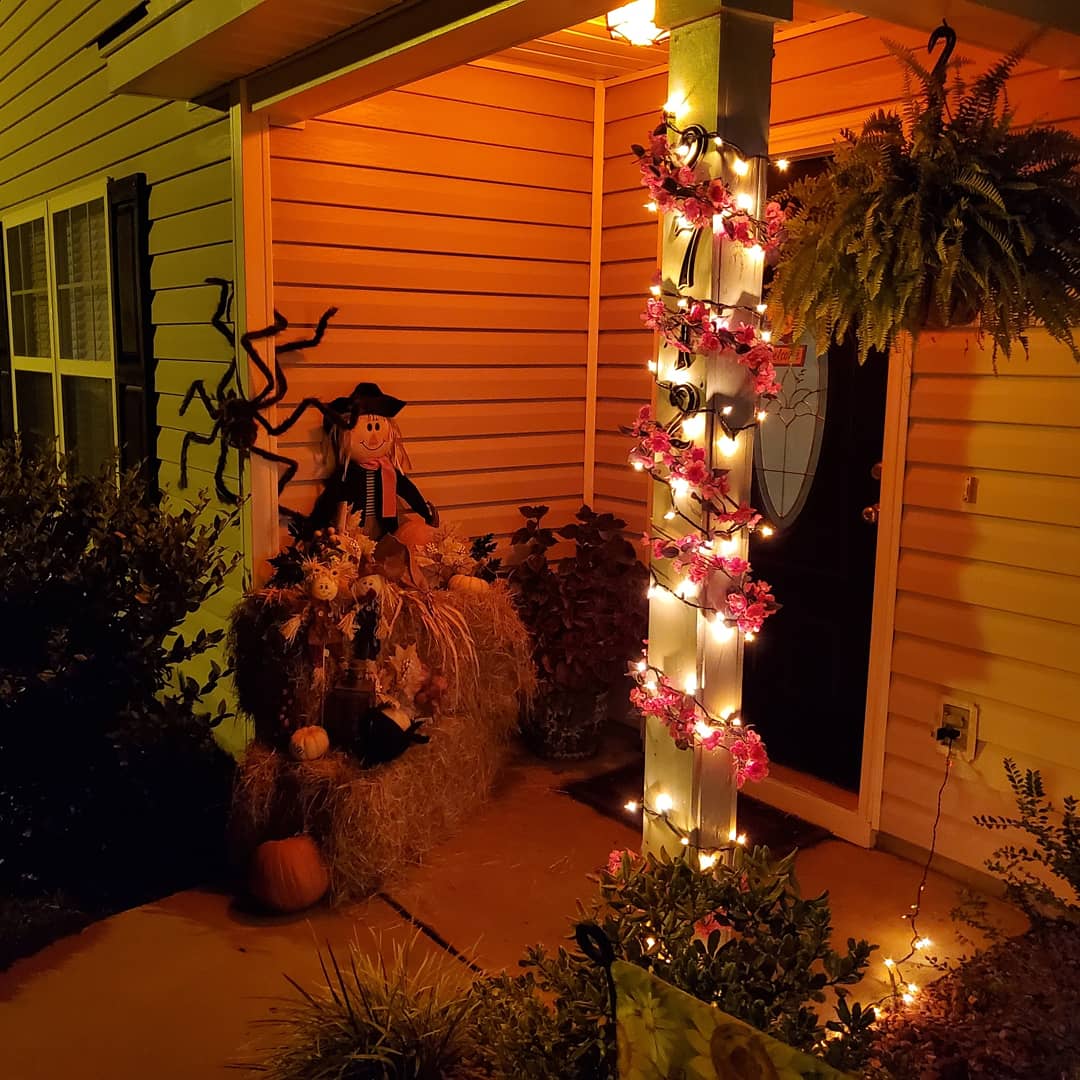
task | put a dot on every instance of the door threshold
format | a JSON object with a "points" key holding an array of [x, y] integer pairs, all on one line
{"points": [[817, 801]]}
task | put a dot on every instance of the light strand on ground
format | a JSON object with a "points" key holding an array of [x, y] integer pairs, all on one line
{"points": [[903, 990]]}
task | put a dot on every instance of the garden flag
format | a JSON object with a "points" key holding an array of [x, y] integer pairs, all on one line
{"points": [[662, 1032]]}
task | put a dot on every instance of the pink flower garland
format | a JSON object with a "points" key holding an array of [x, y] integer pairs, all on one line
{"points": [[725, 582], [690, 725], [705, 203], [698, 329], [658, 454]]}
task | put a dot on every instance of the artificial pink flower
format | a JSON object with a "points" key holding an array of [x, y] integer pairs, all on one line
{"points": [[745, 334], [751, 761], [697, 212], [709, 342], [659, 442], [685, 176], [719, 195], [708, 924], [615, 859], [739, 230]]}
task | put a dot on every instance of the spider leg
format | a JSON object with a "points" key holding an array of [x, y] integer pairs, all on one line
{"points": [[194, 437], [291, 419], [290, 464], [224, 494], [198, 387], [294, 346], [223, 315], [230, 373], [280, 323]]}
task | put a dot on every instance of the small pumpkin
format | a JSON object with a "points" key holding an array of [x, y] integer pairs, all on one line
{"points": [[414, 532], [288, 875], [469, 584], [309, 743]]}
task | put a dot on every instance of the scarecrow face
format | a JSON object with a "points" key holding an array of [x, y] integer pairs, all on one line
{"points": [[371, 438]]}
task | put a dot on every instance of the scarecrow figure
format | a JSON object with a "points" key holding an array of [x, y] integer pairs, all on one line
{"points": [[370, 467]]}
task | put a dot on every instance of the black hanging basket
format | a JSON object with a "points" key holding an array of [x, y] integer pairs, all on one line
{"points": [[564, 726]]}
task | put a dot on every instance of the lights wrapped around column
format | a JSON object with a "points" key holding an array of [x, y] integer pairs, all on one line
{"points": [[706, 570]]}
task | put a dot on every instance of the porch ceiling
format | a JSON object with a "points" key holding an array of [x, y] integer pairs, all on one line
{"points": [[587, 52], [185, 49]]}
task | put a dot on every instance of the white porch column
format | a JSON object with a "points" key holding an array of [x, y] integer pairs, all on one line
{"points": [[720, 77]]}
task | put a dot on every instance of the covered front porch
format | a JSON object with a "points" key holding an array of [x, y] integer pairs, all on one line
{"points": [[182, 988]]}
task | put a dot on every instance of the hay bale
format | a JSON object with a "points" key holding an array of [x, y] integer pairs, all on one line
{"points": [[372, 823]]}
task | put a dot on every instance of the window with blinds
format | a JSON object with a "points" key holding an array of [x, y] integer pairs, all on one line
{"points": [[60, 316]]}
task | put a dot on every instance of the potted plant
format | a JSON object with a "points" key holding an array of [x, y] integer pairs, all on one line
{"points": [[943, 216], [587, 615]]}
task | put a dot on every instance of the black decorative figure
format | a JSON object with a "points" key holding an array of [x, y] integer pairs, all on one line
{"points": [[237, 418]]}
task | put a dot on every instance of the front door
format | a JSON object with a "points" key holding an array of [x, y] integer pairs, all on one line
{"points": [[816, 479]]}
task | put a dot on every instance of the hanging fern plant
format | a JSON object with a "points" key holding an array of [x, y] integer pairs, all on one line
{"points": [[944, 216]]}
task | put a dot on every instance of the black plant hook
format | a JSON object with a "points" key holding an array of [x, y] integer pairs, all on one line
{"points": [[594, 943], [947, 34]]}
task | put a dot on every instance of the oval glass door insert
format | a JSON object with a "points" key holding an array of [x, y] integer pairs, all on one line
{"points": [[788, 441]]}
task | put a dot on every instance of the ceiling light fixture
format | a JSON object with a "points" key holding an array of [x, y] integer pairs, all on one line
{"points": [[634, 23]]}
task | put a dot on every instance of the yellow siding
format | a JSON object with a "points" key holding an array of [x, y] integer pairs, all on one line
{"points": [[449, 223], [629, 259], [59, 128], [987, 594]]}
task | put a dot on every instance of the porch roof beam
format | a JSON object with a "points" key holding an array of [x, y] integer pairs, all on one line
{"points": [[406, 43]]}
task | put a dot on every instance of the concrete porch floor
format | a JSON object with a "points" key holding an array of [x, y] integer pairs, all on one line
{"points": [[172, 990]]}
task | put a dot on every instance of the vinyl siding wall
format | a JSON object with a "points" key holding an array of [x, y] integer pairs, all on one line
{"points": [[59, 128], [449, 223], [988, 593]]}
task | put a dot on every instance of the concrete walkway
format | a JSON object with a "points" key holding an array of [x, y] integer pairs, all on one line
{"points": [[173, 990]]}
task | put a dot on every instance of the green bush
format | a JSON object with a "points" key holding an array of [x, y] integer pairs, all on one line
{"points": [[111, 786], [738, 936], [1055, 850]]}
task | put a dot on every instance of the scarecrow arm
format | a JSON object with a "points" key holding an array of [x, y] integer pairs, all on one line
{"points": [[411, 494]]}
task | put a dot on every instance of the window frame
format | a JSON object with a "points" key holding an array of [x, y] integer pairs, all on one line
{"points": [[54, 365]]}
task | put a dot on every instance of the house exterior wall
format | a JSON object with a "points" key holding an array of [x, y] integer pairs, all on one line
{"points": [[61, 128], [987, 592], [450, 224]]}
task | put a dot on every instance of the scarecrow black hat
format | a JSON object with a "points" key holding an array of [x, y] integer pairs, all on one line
{"points": [[366, 399]]}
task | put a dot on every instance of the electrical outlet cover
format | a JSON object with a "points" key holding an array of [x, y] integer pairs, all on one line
{"points": [[962, 713]]}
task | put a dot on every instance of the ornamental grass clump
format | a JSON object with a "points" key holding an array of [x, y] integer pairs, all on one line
{"points": [[398, 1019], [942, 216]]}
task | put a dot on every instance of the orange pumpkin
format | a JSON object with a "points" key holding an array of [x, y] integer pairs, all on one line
{"points": [[309, 743], [288, 875], [469, 584], [414, 532]]}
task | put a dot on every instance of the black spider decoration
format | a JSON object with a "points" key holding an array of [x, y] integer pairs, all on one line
{"points": [[237, 418]]}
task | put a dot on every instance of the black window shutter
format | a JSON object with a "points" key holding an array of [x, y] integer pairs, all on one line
{"points": [[133, 328], [7, 410]]}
